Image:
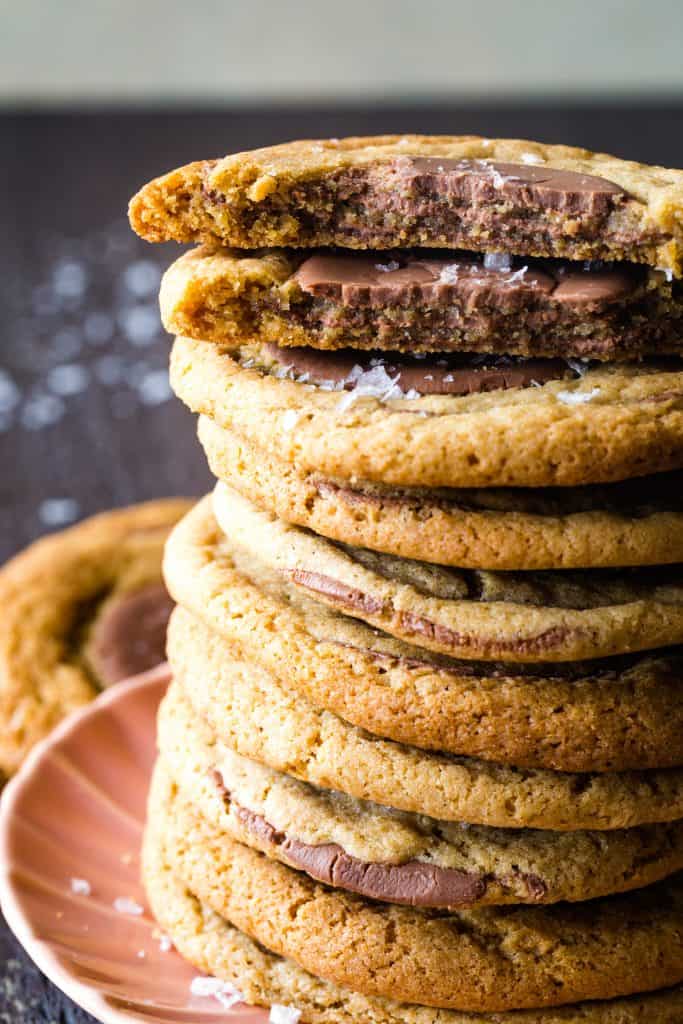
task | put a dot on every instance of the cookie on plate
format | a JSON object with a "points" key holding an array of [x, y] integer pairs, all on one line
{"points": [[81, 609], [219, 949], [508, 957], [394, 856]]}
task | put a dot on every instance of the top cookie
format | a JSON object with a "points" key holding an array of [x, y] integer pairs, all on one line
{"points": [[391, 191]]}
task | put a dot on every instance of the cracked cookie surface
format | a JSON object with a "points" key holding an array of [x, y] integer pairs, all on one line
{"points": [[610, 424], [219, 949], [393, 856], [635, 522], [261, 719], [519, 617], [508, 957], [608, 715]]}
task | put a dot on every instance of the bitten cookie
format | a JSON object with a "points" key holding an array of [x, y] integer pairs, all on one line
{"points": [[609, 424], [635, 522], [616, 714], [503, 195], [508, 958], [219, 949], [421, 302], [389, 855], [81, 609]]}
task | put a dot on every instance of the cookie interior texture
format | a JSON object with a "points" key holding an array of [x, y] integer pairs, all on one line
{"points": [[417, 301], [411, 191]]}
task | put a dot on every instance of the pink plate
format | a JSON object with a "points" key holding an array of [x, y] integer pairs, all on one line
{"points": [[75, 811]]}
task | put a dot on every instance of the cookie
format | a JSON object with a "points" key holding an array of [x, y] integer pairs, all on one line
{"points": [[508, 958], [389, 855], [611, 424], [526, 617], [634, 522], [219, 949], [501, 195], [81, 609], [258, 717], [617, 714], [422, 302]]}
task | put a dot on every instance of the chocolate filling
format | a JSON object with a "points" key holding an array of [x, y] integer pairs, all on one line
{"points": [[452, 375], [130, 635], [471, 204], [633, 499], [528, 186], [415, 883], [383, 279], [571, 590]]}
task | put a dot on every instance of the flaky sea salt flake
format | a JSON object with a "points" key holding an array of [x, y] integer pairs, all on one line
{"points": [[449, 274], [518, 275], [213, 988], [280, 1014], [386, 268], [577, 397], [498, 261], [124, 905], [81, 887]]}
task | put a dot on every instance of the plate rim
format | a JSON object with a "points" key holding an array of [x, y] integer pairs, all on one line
{"points": [[38, 950]]}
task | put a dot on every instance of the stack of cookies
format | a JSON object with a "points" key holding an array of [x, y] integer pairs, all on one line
{"points": [[422, 756]]}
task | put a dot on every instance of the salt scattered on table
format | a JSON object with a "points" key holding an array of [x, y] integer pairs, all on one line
{"points": [[123, 905]]}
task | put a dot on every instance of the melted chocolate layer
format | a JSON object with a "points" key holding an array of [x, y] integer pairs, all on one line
{"points": [[414, 883], [527, 185], [130, 636], [454, 375]]}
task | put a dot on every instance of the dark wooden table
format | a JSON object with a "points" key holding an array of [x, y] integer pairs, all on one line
{"points": [[86, 419]]}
